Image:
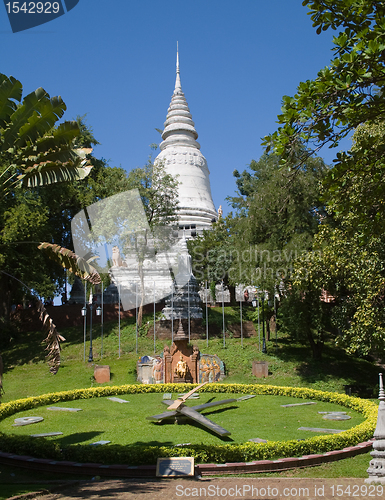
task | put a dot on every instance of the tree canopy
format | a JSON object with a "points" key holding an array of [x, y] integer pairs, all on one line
{"points": [[34, 153], [346, 93], [346, 99], [277, 215]]}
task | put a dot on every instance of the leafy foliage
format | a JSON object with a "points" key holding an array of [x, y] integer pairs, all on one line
{"points": [[69, 260], [305, 316], [1, 375], [278, 213], [357, 191], [158, 191], [34, 153], [354, 274], [211, 255], [346, 93], [345, 97], [159, 195]]}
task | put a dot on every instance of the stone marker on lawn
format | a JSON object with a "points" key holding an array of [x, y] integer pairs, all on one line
{"points": [[299, 404], [244, 398], [336, 416], [46, 434], [319, 429], [102, 373], [118, 400], [27, 421], [63, 408], [260, 369], [332, 412]]}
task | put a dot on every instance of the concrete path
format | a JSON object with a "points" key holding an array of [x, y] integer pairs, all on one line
{"points": [[243, 488]]}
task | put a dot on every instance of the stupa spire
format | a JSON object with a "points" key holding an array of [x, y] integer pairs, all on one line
{"points": [[179, 128], [178, 85], [180, 154]]}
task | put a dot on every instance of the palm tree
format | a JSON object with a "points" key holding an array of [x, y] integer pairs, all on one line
{"points": [[35, 152]]}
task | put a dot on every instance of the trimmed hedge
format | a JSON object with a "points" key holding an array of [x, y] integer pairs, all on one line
{"points": [[147, 455]]}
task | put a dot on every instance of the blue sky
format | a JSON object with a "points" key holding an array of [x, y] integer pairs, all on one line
{"points": [[114, 60]]}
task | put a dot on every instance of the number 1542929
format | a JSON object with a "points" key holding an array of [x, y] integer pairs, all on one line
{"points": [[33, 7]]}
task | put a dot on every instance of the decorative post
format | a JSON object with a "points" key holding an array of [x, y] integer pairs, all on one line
{"points": [[223, 317], [172, 313], [207, 317], [102, 321], [136, 316], [376, 469], [84, 314], [240, 312], [189, 327], [91, 355], [264, 350], [154, 322], [119, 319]]}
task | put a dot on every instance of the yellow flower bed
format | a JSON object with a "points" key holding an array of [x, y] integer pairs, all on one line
{"points": [[145, 454]]}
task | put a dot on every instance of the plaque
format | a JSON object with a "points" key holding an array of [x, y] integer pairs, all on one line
{"points": [[175, 466]]}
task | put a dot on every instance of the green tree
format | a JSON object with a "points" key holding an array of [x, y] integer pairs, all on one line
{"points": [[349, 261], [354, 275], [358, 193], [302, 314], [34, 153], [159, 195], [212, 258], [277, 215], [346, 94]]}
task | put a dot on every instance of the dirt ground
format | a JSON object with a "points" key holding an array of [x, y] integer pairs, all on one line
{"points": [[218, 488]]}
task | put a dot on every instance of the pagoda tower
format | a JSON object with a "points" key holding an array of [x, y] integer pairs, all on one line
{"points": [[180, 154]]}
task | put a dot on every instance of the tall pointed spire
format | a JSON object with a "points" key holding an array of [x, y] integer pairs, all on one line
{"points": [[181, 156], [179, 128], [178, 85]]}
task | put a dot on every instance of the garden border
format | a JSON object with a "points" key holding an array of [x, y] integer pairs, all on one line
{"points": [[238, 457], [46, 465]]}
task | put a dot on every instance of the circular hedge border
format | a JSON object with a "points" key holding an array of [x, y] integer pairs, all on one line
{"points": [[147, 454]]}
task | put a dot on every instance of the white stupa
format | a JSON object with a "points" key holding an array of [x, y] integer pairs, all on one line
{"points": [[180, 154]]}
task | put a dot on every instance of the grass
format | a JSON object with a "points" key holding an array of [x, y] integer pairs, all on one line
{"points": [[290, 363], [259, 417]]}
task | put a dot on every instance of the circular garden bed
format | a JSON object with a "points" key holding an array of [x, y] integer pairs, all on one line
{"points": [[201, 445]]}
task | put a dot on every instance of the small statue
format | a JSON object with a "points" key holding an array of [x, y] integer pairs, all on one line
{"points": [[116, 258], [220, 212], [157, 370], [181, 368]]}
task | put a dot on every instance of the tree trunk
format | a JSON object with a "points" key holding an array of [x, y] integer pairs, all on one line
{"points": [[232, 294], [6, 297], [142, 294], [1, 376], [316, 346]]}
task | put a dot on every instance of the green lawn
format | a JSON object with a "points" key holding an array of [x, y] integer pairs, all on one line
{"points": [[290, 362], [125, 423]]}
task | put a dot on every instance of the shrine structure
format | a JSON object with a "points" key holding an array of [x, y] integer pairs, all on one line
{"points": [[181, 361]]}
